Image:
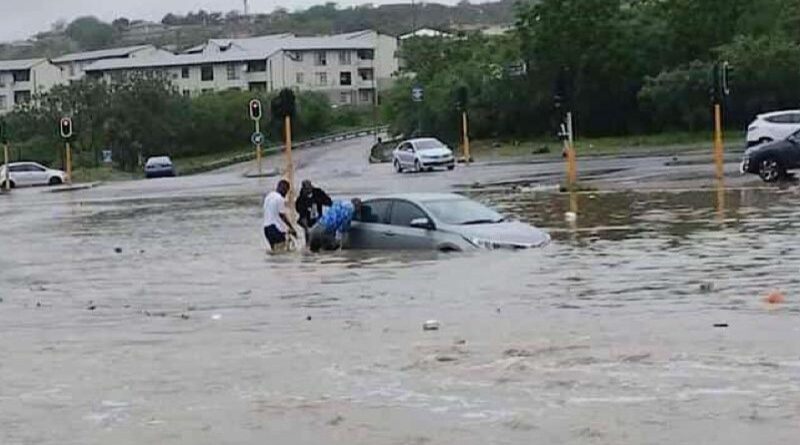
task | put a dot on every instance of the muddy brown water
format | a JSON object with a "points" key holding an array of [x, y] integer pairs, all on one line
{"points": [[192, 335]]}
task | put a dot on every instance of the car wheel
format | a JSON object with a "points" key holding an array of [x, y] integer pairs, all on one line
{"points": [[417, 166], [54, 181], [397, 167], [771, 170]]}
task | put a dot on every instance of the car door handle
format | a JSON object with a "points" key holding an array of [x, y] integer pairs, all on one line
{"points": [[389, 233]]}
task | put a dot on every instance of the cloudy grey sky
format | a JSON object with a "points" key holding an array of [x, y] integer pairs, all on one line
{"points": [[23, 18]]}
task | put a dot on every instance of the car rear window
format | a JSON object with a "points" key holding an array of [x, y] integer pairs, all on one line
{"points": [[788, 118], [428, 144]]}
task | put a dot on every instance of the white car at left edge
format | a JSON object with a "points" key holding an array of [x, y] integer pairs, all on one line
{"points": [[23, 174]]}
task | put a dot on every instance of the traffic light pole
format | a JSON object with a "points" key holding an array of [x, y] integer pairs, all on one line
{"points": [[287, 125], [465, 129], [69, 162], [258, 149], [7, 179], [719, 148]]}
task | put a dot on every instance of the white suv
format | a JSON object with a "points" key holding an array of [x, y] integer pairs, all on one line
{"points": [[30, 173], [774, 126]]}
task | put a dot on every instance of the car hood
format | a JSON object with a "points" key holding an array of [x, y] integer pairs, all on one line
{"points": [[779, 145], [435, 152], [505, 234]]}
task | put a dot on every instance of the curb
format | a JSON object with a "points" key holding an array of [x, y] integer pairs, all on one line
{"points": [[73, 188]]}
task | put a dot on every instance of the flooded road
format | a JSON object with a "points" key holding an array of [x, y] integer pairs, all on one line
{"points": [[160, 319]]}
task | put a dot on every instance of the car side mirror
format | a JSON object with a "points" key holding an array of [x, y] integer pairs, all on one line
{"points": [[422, 223]]}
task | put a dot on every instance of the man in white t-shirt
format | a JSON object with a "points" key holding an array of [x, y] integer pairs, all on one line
{"points": [[276, 222]]}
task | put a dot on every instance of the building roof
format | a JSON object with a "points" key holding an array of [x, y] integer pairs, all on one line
{"points": [[101, 54], [12, 65], [425, 32], [241, 50]]}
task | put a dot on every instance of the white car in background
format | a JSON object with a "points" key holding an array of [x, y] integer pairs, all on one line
{"points": [[774, 126], [23, 174], [422, 154]]}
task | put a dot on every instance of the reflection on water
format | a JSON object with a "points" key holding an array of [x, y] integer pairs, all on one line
{"points": [[163, 320]]}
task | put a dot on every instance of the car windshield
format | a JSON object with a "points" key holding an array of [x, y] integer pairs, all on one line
{"points": [[428, 144], [462, 212]]}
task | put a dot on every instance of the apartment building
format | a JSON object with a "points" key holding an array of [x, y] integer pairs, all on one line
{"points": [[21, 80], [349, 68], [73, 65]]}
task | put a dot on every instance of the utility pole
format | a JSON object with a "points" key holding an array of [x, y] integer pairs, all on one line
{"points": [[6, 180], [246, 8]]}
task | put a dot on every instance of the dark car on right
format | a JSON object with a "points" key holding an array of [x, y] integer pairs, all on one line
{"points": [[772, 161]]}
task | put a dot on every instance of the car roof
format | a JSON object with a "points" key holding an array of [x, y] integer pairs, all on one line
{"points": [[419, 197], [778, 113]]}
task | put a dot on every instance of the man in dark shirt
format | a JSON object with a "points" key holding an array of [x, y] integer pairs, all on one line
{"points": [[310, 203]]}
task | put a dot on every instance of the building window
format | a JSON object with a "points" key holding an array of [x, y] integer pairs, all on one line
{"points": [[345, 57], [345, 78], [322, 79], [3, 104], [300, 78], [187, 93], [207, 73], [366, 54], [22, 97], [321, 58], [366, 74], [344, 97], [364, 96], [22, 76], [256, 66], [185, 72], [233, 71], [258, 86]]}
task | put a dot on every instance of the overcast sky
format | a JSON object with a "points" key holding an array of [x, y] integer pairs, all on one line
{"points": [[24, 18]]}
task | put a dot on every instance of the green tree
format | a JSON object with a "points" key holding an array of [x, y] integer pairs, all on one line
{"points": [[90, 33]]}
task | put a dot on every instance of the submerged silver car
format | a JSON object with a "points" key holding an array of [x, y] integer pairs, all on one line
{"points": [[443, 222]]}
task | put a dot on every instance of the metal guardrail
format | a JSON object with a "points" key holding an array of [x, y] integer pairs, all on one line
{"points": [[322, 140]]}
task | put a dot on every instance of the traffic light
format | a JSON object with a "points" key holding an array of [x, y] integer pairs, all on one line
{"points": [[66, 127], [725, 81], [283, 104], [462, 98], [721, 76], [255, 110], [563, 88]]}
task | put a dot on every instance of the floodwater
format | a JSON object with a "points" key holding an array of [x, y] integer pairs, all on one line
{"points": [[163, 321]]}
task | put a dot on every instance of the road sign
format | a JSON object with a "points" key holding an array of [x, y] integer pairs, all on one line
{"points": [[107, 157], [417, 94], [257, 138], [517, 69]]}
